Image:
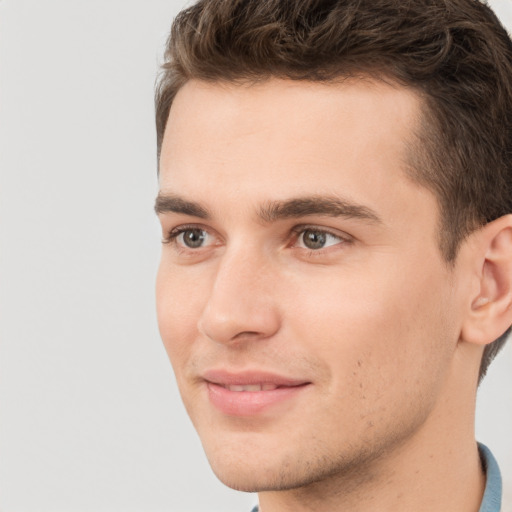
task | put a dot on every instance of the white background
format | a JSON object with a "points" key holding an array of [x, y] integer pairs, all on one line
{"points": [[90, 418]]}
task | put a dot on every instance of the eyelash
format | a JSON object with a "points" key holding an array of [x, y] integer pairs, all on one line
{"points": [[298, 231], [295, 231], [176, 232]]}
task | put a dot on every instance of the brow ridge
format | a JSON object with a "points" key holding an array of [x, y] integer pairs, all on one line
{"points": [[276, 210], [315, 205], [173, 203]]}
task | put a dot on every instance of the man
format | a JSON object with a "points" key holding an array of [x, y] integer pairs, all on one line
{"points": [[336, 274]]}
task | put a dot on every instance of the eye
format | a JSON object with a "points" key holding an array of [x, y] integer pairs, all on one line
{"points": [[315, 239], [190, 237]]}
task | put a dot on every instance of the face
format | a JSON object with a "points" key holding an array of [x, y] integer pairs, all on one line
{"points": [[302, 297]]}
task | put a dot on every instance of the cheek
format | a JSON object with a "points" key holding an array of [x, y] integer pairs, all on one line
{"points": [[382, 340], [178, 302], [392, 322]]}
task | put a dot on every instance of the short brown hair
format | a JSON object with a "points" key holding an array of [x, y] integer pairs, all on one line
{"points": [[454, 53]]}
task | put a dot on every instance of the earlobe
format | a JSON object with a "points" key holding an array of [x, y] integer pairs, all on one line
{"points": [[490, 314]]}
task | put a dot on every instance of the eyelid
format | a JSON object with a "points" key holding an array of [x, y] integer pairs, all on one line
{"points": [[178, 230], [295, 231], [342, 242], [342, 235]]}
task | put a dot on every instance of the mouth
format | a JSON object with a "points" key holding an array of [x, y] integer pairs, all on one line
{"points": [[251, 393]]}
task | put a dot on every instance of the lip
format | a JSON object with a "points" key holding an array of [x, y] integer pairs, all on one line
{"points": [[250, 403]]}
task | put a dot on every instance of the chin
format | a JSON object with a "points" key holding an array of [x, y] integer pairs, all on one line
{"points": [[254, 463], [259, 470], [243, 483], [244, 469], [254, 479]]}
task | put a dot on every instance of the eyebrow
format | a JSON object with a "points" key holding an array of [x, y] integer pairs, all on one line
{"points": [[327, 206], [176, 204], [277, 210]]}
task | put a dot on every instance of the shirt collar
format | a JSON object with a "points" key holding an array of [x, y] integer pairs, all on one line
{"points": [[493, 487]]}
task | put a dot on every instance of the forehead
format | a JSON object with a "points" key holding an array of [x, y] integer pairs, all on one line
{"points": [[273, 139]]}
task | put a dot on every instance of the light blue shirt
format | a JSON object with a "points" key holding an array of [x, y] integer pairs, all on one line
{"points": [[493, 487]]}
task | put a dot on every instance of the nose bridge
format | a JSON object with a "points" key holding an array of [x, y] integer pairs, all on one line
{"points": [[241, 303]]}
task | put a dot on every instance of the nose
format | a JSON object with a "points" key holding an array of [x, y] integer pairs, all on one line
{"points": [[241, 305]]}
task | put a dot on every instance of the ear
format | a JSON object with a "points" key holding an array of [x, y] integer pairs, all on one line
{"points": [[490, 310]]}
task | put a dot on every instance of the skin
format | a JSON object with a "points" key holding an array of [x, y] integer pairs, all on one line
{"points": [[387, 335]]}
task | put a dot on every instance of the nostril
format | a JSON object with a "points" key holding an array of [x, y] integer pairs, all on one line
{"points": [[247, 334]]}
